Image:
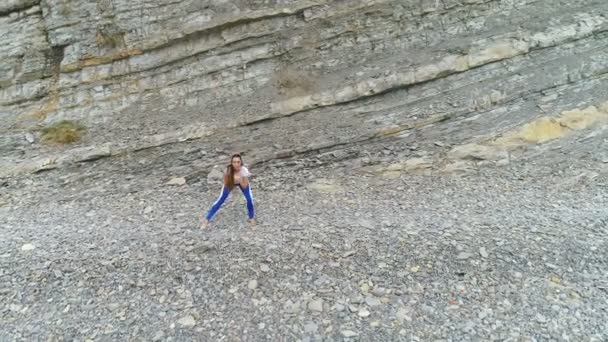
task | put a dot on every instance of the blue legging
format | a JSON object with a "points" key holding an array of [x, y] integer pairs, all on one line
{"points": [[224, 194]]}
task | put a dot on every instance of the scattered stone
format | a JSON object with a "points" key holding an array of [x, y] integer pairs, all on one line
{"points": [[253, 284], [27, 247], [403, 315], [348, 333], [316, 305], [363, 312], [379, 291], [463, 256], [483, 252], [484, 313], [366, 223], [187, 321], [264, 268], [372, 301], [348, 253], [93, 153], [29, 137], [177, 181], [291, 306], [540, 318], [310, 328]]}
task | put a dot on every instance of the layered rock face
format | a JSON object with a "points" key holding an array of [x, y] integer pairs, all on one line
{"points": [[282, 77]]}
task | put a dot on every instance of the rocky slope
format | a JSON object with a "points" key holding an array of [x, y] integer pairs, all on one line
{"points": [[353, 244]]}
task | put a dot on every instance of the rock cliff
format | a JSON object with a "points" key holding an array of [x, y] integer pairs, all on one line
{"points": [[282, 77]]}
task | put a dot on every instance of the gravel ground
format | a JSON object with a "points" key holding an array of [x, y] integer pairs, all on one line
{"points": [[502, 253]]}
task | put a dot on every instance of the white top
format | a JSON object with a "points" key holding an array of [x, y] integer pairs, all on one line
{"points": [[243, 172]]}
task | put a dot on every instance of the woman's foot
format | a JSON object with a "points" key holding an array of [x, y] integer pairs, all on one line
{"points": [[205, 224], [251, 223]]}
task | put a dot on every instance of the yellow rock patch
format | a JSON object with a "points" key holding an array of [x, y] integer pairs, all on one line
{"points": [[581, 119], [549, 128], [538, 131]]}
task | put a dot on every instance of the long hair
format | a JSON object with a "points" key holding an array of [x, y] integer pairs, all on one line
{"points": [[229, 178]]}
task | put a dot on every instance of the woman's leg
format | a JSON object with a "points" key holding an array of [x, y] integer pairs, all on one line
{"points": [[218, 203], [249, 197]]}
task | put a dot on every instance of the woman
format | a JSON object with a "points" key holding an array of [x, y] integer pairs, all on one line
{"points": [[236, 175]]}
